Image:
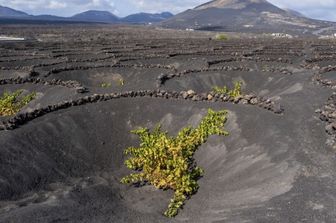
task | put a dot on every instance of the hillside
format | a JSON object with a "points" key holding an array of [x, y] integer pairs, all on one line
{"points": [[147, 17], [244, 16], [96, 16], [8, 12], [12, 16]]}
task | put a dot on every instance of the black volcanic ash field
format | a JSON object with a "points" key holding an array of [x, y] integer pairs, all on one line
{"points": [[61, 157]]}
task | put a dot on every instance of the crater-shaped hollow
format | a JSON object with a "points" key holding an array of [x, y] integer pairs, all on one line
{"points": [[245, 168]]}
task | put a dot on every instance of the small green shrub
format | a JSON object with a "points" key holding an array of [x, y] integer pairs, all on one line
{"points": [[167, 162], [105, 85], [221, 37], [235, 92], [220, 90], [11, 103], [121, 82]]}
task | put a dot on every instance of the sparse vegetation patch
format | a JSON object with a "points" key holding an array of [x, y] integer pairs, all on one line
{"points": [[221, 36], [11, 103], [121, 82], [167, 162], [106, 85], [235, 92]]}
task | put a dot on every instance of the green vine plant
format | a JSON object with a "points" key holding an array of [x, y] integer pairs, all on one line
{"points": [[167, 162], [234, 93], [105, 85], [221, 36], [12, 103], [121, 82], [220, 90]]}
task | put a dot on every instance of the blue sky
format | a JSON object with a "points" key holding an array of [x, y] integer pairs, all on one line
{"points": [[319, 9]]}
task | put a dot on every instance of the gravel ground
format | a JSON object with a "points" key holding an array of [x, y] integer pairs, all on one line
{"points": [[61, 157]]}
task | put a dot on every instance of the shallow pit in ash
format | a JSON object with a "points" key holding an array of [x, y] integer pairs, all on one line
{"points": [[65, 149], [330, 75], [117, 79], [260, 83]]}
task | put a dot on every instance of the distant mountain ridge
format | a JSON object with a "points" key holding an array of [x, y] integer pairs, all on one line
{"points": [[245, 16], [147, 17], [8, 12], [250, 16], [87, 16], [96, 16]]}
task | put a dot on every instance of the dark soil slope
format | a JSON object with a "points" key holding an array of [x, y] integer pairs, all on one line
{"points": [[61, 157]]}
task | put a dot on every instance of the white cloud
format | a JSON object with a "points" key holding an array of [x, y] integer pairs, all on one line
{"points": [[56, 5], [318, 9], [164, 5], [21, 4], [306, 4]]}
